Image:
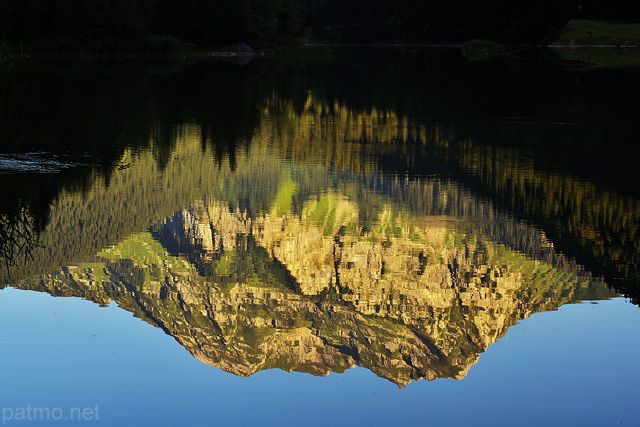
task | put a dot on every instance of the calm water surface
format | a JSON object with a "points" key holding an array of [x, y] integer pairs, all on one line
{"points": [[361, 236]]}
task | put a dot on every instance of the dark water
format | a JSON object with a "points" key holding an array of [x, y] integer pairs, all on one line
{"points": [[369, 216]]}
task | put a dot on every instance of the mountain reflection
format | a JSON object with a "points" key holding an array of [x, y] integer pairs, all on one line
{"points": [[293, 265], [406, 296], [313, 233]]}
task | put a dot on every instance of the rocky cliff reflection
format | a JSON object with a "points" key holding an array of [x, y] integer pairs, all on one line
{"points": [[302, 269]]}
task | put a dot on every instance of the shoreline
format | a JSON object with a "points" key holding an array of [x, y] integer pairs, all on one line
{"points": [[229, 54]]}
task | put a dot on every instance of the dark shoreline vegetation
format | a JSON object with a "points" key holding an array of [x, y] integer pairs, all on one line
{"points": [[139, 104], [162, 26]]}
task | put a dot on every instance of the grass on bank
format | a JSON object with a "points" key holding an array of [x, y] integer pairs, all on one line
{"points": [[584, 32]]}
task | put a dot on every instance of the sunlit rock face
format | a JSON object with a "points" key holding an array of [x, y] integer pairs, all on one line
{"points": [[338, 336], [418, 272]]}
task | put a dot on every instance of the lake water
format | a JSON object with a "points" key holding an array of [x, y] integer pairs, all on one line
{"points": [[368, 236]]}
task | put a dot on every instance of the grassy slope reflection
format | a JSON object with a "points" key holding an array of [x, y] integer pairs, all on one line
{"points": [[312, 270]]}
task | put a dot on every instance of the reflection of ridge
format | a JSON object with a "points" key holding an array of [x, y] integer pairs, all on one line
{"points": [[270, 295]]}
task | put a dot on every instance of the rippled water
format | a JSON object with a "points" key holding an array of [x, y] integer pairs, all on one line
{"points": [[368, 236], [38, 162]]}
